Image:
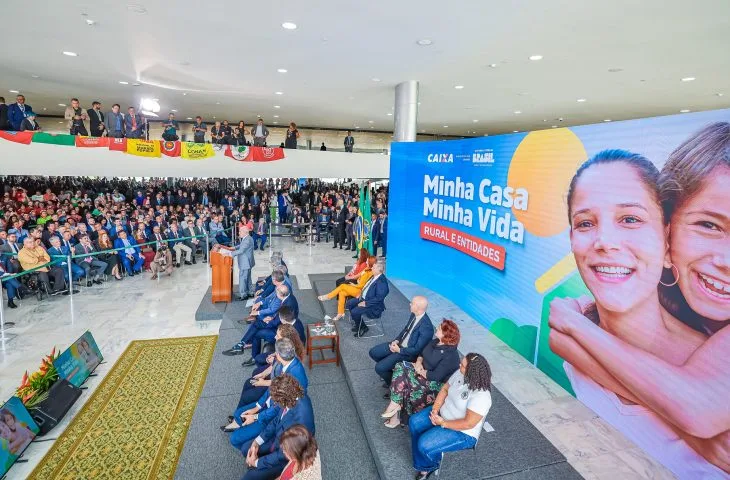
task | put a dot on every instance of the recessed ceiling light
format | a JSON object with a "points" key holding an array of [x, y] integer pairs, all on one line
{"points": [[607, 120], [719, 94], [277, 106], [278, 93], [475, 120], [217, 103], [190, 118], [515, 131], [276, 116], [61, 104], [492, 65], [289, 25], [185, 64], [684, 110], [123, 82], [370, 121], [486, 134], [581, 100], [136, 84], [554, 126], [281, 70], [389, 114], [60, 122], [615, 70], [184, 94], [356, 126], [213, 116], [517, 112], [535, 57], [458, 87], [276, 122], [90, 22], [35, 76], [372, 128], [13, 91], [44, 109], [446, 126], [424, 42], [689, 79], [173, 110], [376, 79], [71, 54]]}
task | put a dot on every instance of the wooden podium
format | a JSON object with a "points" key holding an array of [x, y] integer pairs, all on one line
{"points": [[222, 266]]}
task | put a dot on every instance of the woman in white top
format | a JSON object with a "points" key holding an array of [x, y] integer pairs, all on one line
{"points": [[455, 419], [618, 238]]}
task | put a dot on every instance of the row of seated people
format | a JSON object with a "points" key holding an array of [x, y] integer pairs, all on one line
{"points": [[442, 399], [273, 409]]}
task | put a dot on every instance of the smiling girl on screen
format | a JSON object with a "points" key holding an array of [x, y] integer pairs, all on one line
{"points": [[20, 435], [618, 238]]}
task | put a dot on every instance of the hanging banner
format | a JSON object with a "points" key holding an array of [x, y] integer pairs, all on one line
{"points": [[196, 151], [170, 149], [143, 148], [118, 144], [239, 153], [54, 139], [17, 137], [92, 142], [266, 154]]}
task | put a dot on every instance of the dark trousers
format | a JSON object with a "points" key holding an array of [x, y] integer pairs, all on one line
{"points": [[262, 473], [249, 393], [385, 360], [357, 312], [79, 130], [54, 273], [340, 235]]}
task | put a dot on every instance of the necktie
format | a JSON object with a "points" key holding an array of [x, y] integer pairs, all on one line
{"points": [[408, 328], [22, 108], [118, 123], [134, 122]]}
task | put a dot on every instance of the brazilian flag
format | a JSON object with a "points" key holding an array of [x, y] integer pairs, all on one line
{"points": [[362, 227]]}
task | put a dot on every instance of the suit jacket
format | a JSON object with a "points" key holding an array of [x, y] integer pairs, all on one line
{"points": [[119, 244], [153, 236], [421, 334], [172, 238], [264, 130], [342, 218], [188, 233], [302, 414], [128, 124], [244, 253], [291, 302], [16, 115], [111, 122], [4, 123], [95, 121], [79, 250], [375, 297], [296, 369], [25, 125], [376, 230], [349, 141]]}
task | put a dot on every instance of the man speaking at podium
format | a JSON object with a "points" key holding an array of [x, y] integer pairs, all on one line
{"points": [[244, 254]]}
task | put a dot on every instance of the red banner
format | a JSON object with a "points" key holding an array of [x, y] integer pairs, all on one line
{"points": [[92, 142], [482, 250], [17, 137], [254, 154], [170, 149], [118, 144]]}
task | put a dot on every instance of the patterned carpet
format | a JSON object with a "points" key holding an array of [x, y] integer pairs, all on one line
{"points": [[134, 425]]}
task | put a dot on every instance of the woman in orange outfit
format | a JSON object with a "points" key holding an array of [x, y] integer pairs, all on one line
{"points": [[345, 290]]}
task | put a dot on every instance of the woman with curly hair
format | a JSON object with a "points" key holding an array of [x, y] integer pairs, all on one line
{"points": [[344, 290], [455, 420], [415, 385], [300, 448]]}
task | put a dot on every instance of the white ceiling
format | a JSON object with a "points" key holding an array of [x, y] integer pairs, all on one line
{"points": [[228, 51]]}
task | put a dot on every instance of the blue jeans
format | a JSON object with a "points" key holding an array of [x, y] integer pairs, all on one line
{"points": [[429, 442], [12, 286]]}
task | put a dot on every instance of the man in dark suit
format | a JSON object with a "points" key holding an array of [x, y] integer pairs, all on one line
{"points": [[96, 120], [134, 124], [158, 235], [193, 243], [4, 123], [264, 456], [409, 343], [341, 224], [380, 233], [371, 301], [17, 111]]}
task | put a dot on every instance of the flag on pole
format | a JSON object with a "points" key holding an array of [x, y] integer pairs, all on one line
{"points": [[362, 227]]}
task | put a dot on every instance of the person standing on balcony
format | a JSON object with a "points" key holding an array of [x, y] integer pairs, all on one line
{"points": [[134, 124], [96, 120], [170, 129], [291, 136], [76, 116], [260, 133], [349, 142], [114, 122]]}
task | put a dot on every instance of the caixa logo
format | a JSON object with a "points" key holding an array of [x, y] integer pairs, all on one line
{"points": [[441, 158]]}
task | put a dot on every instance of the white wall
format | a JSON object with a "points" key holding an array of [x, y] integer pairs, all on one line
{"points": [[44, 159]]}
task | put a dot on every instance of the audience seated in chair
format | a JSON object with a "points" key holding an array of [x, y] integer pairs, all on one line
{"points": [[266, 335], [56, 251], [264, 456], [415, 385], [248, 420], [129, 253], [455, 420], [409, 343], [344, 290], [371, 301], [263, 300], [32, 256], [267, 319], [301, 451], [360, 265], [260, 379], [92, 267]]}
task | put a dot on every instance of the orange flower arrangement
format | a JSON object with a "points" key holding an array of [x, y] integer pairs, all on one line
{"points": [[33, 389]]}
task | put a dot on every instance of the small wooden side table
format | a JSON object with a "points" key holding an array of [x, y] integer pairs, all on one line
{"points": [[333, 343]]}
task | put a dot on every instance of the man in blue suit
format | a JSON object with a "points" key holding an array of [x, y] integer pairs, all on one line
{"points": [[264, 456], [268, 293], [286, 316], [134, 124], [58, 250], [371, 301], [17, 112], [129, 255], [254, 408], [380, 233], [409, 343], [264, 335], [267, 319]]}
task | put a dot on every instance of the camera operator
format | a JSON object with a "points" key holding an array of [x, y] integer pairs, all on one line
{"points": [[162, 262], [76, 117]]}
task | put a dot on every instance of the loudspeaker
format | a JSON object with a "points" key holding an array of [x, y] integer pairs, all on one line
{"points": [[50, 411]]}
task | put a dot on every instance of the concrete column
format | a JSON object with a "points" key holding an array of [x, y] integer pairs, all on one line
{"points": [[406, 111]]}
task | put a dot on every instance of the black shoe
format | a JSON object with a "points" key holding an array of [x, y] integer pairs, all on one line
{"points": [[236, 350], [224, 429], [98, 282], [88, 284], [423, 475], [385, 385], [335, 246], [230, 418], [354, 329], [131, 274], [187, 263], [12, 304], [194, 262], [177, 265], [363, 330], [386, 395], [249, 363]]}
